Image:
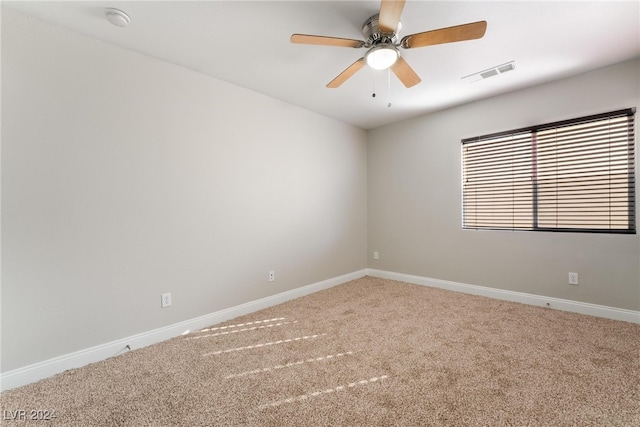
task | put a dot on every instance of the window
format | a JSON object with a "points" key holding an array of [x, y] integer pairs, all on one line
{"points": [[575, 175]]}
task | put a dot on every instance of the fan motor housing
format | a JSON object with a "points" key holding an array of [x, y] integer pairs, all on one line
{"points": [[373, 36]]}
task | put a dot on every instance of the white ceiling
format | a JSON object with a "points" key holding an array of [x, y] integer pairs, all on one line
{"points": [[247, 43]]}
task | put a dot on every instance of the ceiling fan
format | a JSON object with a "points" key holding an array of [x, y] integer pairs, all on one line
{"points": [[381, 40]]}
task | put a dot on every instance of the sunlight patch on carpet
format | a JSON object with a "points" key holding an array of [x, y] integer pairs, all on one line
{"points": [[235, 331], [240, 325], [261, 345], [323, 392], [289, 365]]}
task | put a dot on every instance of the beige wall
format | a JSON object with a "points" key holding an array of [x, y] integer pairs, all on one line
{"points": [[124, 177], [414, 199]]}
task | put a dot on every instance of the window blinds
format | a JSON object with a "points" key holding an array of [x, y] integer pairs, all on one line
{"points": [[575, 175]]}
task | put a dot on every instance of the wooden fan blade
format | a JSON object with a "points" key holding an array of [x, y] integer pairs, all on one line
{"points": [[348, 72], [405, 73], [474, 30], [389, 17], [324, 40]]}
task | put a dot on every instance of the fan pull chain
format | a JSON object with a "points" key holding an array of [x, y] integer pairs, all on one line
{"points": [[389, 87], [373, 81]]}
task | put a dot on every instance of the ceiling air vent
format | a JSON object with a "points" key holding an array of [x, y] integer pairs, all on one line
{"points": [[490, 72], [509, 66]]}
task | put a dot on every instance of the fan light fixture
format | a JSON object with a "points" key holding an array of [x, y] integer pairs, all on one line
{"points": [[382, 57]]}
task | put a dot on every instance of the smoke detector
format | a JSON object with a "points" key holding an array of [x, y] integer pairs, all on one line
{"points": [[117, 17]]}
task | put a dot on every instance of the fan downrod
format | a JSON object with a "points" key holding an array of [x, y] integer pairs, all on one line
{"points": [[373, 36]]}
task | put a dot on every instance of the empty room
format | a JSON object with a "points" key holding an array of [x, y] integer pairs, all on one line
{"points": [[319, 213]]}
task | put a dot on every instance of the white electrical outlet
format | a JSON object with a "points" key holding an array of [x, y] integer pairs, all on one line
{"points": [[272, 276], [573, 278], [376, 255], [166, 299]]}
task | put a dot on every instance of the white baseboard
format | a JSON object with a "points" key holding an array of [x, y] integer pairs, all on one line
{"points": [[37, 371], [32, 373], [521, 297]]}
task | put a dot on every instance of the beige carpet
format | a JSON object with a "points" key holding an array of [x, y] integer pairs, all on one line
{"points": [[371, 352]]}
